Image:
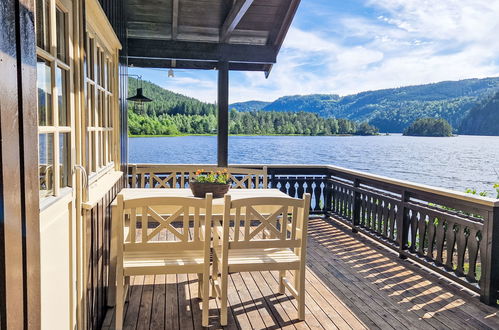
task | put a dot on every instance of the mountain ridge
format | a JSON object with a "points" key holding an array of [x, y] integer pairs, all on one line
{"points": [[393, 109]]}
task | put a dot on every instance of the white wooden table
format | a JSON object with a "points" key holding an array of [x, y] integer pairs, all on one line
{"points": [[129, 193]]}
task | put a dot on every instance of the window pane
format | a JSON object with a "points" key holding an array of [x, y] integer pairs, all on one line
{"points": [[101, 109], [93, 150], [106, 80], [110, 146], [91, 57], [65, 159], [103, 148], [44, 85], [62, 96], [61, 35], [46, 164], [96, 65], [110, 112], [91, 109], [42, 25]]}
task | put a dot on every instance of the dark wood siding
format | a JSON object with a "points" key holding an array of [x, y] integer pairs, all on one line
{"points": [[98, 222], [116, 13], [19, 205], [99, 218]]}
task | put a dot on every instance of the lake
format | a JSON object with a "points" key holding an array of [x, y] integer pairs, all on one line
{"points": [[456, 163]]}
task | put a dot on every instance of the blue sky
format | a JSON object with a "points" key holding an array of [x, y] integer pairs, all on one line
{"points": [[347, 46]]}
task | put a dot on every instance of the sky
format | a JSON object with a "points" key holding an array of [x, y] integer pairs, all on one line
{"points": [[348, 46]]}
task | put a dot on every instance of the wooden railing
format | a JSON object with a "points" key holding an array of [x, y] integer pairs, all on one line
{"points": [[452, 233]]}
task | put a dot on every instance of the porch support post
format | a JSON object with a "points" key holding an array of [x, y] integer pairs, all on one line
{"points": [[223, 114], [490, 258], [19, 196]]}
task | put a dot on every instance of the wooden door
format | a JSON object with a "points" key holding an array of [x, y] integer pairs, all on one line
{"points": [[56, 150]]}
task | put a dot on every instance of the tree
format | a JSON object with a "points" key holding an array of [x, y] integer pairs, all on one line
{"points": [[429, 127]]}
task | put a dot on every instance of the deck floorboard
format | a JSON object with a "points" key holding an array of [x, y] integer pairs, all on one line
{"points": [[352, 283]]}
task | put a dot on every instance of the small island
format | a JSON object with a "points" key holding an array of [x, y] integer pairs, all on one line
{"points": [[429, 127]]}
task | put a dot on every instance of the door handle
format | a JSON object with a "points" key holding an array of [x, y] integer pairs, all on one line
{"points": [[85, 178]]}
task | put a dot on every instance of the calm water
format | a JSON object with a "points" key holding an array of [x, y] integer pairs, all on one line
{"points": [[456, 163]]}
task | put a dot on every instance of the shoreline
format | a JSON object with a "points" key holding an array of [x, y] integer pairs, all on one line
{"points": [[206, 134]]}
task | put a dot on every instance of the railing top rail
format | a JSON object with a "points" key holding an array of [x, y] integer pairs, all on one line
{"points": [[485, 201]]}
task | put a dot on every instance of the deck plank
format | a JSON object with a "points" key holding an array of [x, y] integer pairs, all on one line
{"points": [[158, 304], [146, 303], [351, 283]]}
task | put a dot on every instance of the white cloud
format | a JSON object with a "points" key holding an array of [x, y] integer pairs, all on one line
{"points": [[398, 43], [412, 42]]}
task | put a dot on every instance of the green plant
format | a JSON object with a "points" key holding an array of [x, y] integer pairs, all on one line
{"points": [[496, 187], [474, 192], [220, 177]]}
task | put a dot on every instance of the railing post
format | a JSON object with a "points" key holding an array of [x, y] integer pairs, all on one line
{"points": [[327, 195], [403, 224], [356, 206], [272, 179], [489, 281]]}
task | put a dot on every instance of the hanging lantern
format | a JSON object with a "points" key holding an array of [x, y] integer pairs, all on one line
{"points": [[139, 97]]}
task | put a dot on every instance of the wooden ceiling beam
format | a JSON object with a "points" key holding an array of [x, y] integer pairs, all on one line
{"points": [[200, 51], [235, 15], [286, 14], [174, 19], [168, 64]]}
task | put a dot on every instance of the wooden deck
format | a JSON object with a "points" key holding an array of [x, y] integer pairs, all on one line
{"points": [[352, 283]]}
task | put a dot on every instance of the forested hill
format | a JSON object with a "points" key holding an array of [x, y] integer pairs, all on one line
{"points": [[249, 106], [167, 102], [392, 110], [483, 119], [175, 114]]}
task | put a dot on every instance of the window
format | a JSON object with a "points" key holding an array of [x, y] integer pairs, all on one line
{"points": [[54, 115], [100, 106]]}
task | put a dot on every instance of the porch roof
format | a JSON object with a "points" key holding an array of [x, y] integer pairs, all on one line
{"points": [[198, 34]]}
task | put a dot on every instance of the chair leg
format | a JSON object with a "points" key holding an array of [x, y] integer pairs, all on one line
{"points": [[282, 288], [223, 299], [206, 298], [301, 291], [214, 277], [119, 299], [297, 279]]}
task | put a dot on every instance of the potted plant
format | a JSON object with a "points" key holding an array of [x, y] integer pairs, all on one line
{"points": [[217, 183]]}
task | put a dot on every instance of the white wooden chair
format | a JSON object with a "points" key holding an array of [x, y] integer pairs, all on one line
{"points": [[166, 249], [278, 242], [173, 176]]}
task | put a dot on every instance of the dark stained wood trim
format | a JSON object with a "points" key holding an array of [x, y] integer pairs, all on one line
{"points": [[490, 259], [19, 249], [200, 51], [28, 133], [166, 63], [276, 37], [235, 15], [174, 19], [223, 114]]}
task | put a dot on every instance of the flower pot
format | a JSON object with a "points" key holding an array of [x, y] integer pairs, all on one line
{"points": [[201, 189]]}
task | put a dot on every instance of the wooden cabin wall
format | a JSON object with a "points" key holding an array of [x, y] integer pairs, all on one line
{"points": [[116, 13], [19, 200], [98, 231], [98, 220]]}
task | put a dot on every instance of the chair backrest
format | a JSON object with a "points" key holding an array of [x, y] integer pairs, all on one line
{"points": [[248, 178], [264, 222], [166, 232], [179, 176]]}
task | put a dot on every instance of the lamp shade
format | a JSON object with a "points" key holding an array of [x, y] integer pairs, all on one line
{"points": [[139, 97]]}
